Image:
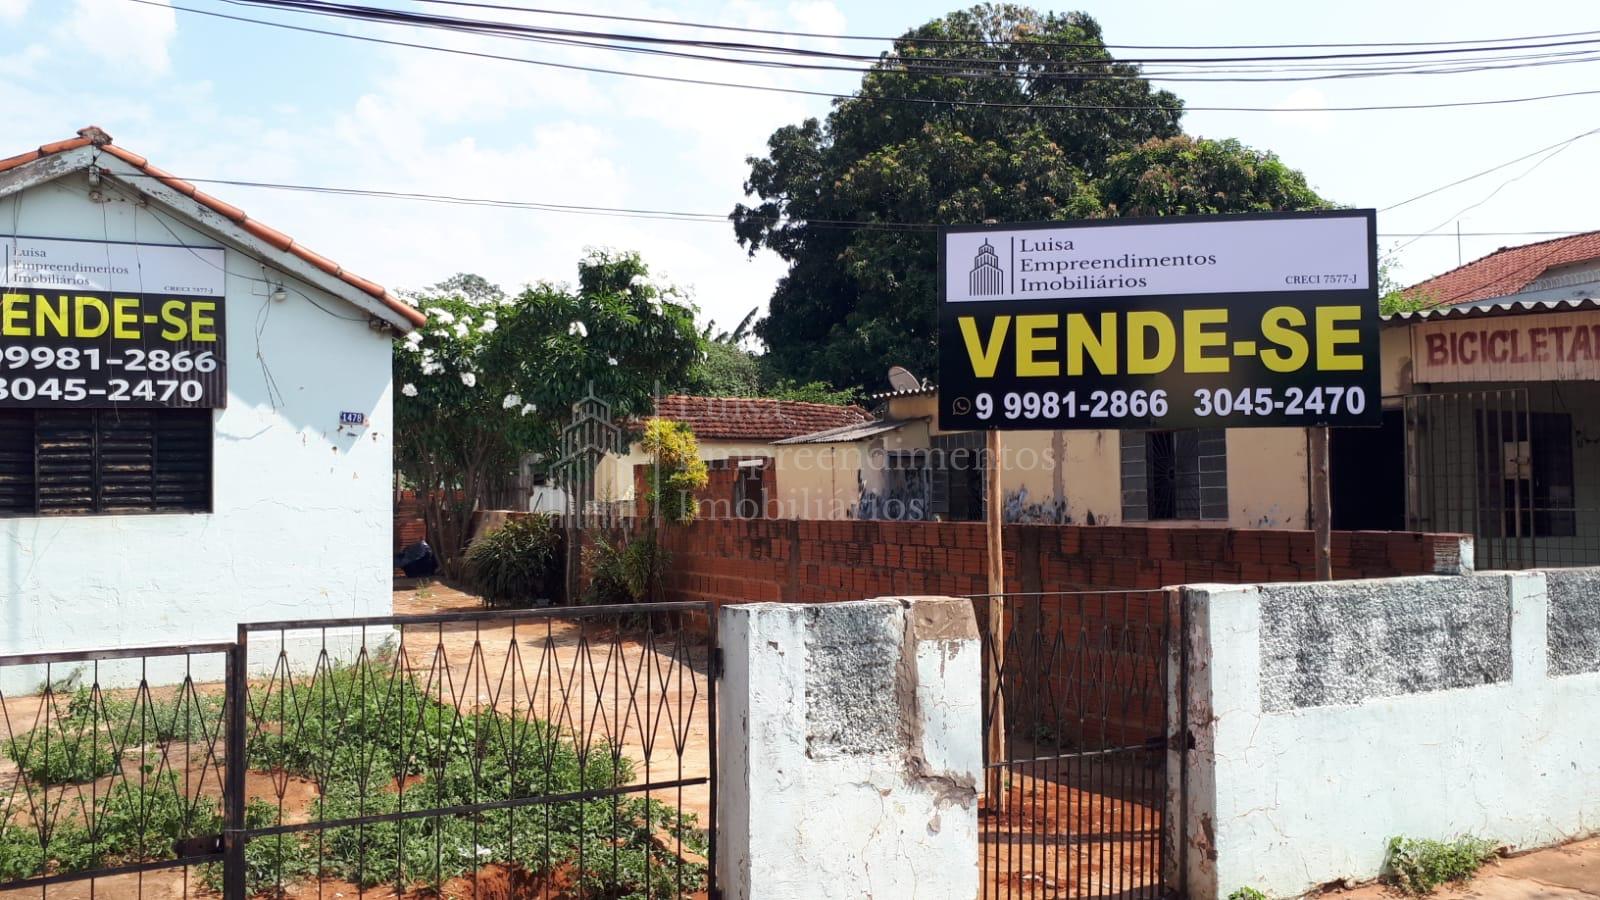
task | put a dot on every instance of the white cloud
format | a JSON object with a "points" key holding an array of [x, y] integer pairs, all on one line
{"points": [[131, 36], [12, 10]]}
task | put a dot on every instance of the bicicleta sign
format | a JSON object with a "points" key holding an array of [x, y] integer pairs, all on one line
{"points": [[99, 324], [1205, 321]]}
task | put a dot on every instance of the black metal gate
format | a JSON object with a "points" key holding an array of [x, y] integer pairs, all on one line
{"points": [[562, 752], [1076, 703]]}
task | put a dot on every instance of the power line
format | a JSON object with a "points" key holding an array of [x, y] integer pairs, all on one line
{"points": [[1558, 144], [926, 66], [393, 16], [685, 216], [934, 41], [922, 101]]}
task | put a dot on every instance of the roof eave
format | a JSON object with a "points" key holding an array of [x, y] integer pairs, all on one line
{"points": [[203, 218]]}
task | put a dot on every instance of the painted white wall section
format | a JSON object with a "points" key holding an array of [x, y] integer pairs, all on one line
{"points": [[301, 521], [851, 750], [1328, 718]]}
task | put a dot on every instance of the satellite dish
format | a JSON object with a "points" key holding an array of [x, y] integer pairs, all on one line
{"points": [[902, 380]]}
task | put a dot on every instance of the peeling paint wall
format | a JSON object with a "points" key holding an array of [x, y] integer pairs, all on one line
{"points": [[1328, 718], [301, 521], [851, 750]]}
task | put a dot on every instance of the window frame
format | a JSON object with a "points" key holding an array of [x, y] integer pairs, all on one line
{"points": [[202, 433]]}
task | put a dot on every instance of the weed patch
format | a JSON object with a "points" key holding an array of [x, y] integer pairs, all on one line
{"points": [[1421, 866]]}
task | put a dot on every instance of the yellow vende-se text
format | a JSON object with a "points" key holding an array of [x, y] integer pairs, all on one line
{"points": [[1147, 342], [84, 316]]}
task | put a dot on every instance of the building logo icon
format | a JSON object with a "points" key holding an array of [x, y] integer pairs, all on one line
{"points": [[986, 278]]}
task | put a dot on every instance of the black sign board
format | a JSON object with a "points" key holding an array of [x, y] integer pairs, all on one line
{"points": [[1183, 322], [102, 324]]}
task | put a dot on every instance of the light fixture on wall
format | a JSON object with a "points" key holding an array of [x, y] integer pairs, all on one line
{"points": [[279, 294]]}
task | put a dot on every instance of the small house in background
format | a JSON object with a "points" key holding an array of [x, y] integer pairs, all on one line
{"points": [[195, 422], [736, 436]]}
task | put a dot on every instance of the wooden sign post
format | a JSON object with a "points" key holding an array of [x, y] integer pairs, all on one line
{"points": [[994, 518], [1321, 503]]}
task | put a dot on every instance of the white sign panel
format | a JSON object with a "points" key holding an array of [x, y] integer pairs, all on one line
{"points": [[58, 265], [1210, 257]]}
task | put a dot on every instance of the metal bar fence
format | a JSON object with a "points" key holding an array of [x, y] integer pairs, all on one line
{"points": [[1085, 698], [112, 771], [559, 752]]}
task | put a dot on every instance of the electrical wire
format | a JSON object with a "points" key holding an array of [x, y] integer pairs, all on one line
{"points": [[919, 101], [684, 216], [1460, 181]]}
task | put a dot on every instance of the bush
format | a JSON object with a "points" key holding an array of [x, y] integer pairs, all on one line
{"points": [[64, 753], [512, 564], [1420, 866], [1247, 893], [623, 572], [356, 729]]}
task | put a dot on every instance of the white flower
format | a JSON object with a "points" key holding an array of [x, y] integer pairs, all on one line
{"points": [[639, 281], [578, 329], [529, 408], [469, 379], [510, 402], [461, 329], [488, 325], [414, 338], [441, 333], [409, 389], [431, 368], [443, 315], [611, 360]]}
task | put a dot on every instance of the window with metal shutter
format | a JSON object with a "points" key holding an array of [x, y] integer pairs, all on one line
{"points": [[109, 462], [16, 461]]}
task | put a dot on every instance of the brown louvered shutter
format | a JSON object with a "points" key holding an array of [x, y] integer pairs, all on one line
{"points": [[16, 462], [183, 460], [127, 460], [64, 451]]}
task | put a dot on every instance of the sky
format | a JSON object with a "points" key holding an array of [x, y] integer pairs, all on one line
{"points": [[209, 98]]}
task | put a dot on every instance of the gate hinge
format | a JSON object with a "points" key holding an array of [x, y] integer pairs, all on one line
{"points": [[716, 669]]}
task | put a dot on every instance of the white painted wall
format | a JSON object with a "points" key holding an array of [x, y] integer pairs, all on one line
{"points": [[1287, 801], [884, 805], [301, 521]]}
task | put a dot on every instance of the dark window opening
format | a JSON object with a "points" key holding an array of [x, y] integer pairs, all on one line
{"points": [[1526, 475], [957, 485], [1174, 475], [749, 492], [104, 461]]}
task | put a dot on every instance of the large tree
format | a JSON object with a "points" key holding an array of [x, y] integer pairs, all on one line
{"points": [[1046, 125], [493, 376]]}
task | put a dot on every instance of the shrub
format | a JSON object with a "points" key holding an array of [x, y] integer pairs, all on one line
{"points": [[64, 753], [623, 572], [1247, 893], [1420, 866], [512, 564], [676, 469]]}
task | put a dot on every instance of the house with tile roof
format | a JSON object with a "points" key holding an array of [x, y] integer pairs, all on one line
{"points": [[737, 438], [195, 422]]}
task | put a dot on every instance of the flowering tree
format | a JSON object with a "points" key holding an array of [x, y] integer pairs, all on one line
{"points": [[493, 376]]}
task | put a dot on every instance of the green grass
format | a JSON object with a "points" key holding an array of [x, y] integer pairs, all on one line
{"points": [[1420, 866]]}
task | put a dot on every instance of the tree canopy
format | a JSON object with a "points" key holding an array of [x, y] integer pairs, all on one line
{"points": [[1066, 133], [493, 376]]}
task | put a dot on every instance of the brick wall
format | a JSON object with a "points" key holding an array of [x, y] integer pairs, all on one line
{"points": [[408, 525], [734, 560]]}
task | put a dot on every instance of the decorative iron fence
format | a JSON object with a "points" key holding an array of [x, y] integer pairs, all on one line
{"points": [[552, 753], [1076, 701]]}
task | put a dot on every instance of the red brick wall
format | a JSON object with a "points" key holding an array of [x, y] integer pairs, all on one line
{"points": [[736, 560], [408, 525]]}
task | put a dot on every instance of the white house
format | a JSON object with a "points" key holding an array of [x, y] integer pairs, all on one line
{"points": [[195, 424]]}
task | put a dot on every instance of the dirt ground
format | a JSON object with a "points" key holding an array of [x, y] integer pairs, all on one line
{"points": [[1569, 872]]}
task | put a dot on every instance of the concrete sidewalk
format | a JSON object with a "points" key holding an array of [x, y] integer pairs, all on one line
{"points": [[1569, 872]]}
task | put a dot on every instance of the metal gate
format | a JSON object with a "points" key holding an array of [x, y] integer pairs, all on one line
{"points": [[1076, 702], [554, 753]]}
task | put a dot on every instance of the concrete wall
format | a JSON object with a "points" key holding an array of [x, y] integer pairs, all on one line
{"points": [[301, 521], [1328, 718], [851, 750]]}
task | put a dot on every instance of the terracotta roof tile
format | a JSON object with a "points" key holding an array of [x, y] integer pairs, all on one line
{"points": [[279, 240], [755, 418], [1507, 270]]}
